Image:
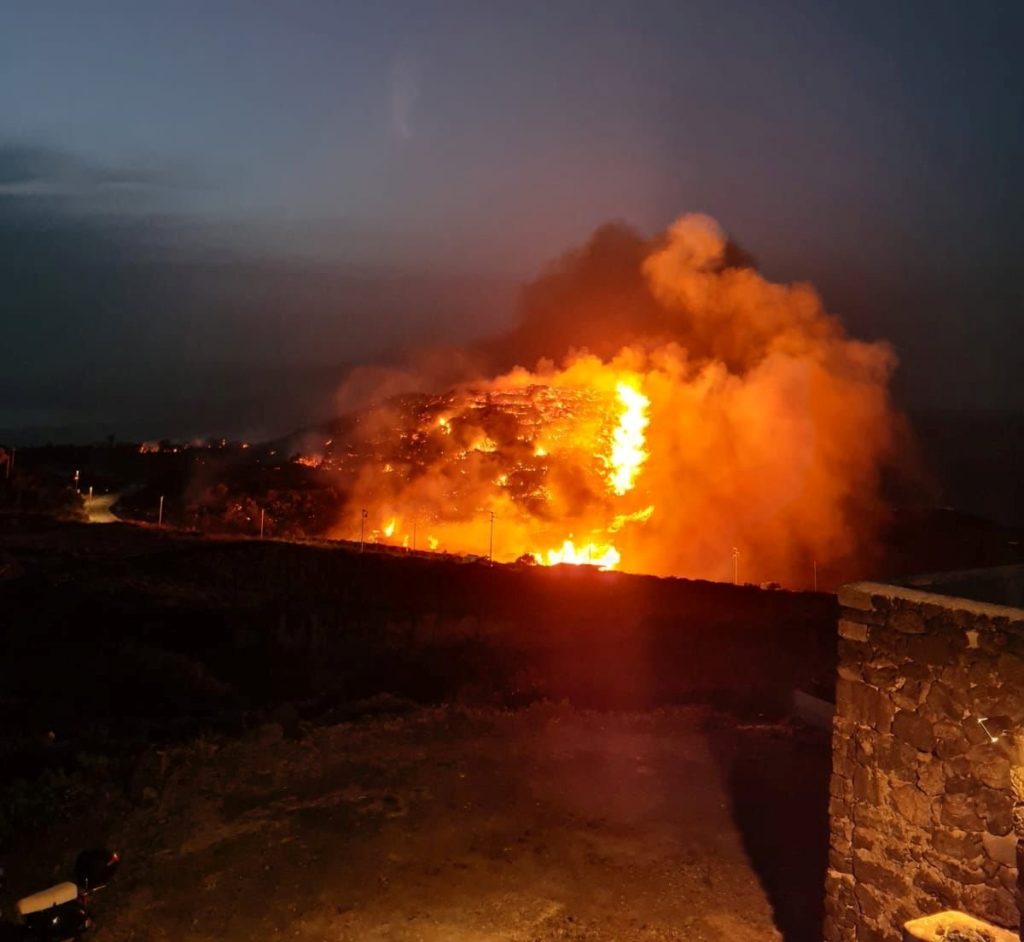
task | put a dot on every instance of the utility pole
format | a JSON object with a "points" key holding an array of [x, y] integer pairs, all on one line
{"points": [[735, 566], [160, 512], [490, 543], [90, 492], [262, 515], [414, 533], [362, 525], [815, 575]]}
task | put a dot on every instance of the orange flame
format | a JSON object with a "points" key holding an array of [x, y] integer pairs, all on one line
{"points": [[628, 454], [735, 415], [603, 557]]}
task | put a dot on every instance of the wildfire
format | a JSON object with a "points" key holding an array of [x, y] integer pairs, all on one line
{"points": [[604, 557], [594, 422], [628, 454], [735, 415]]}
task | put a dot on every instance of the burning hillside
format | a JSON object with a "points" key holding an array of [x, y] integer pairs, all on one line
{"points": [[687, 417]]}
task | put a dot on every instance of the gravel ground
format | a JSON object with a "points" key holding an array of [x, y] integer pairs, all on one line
{"points": [[450, 825]]}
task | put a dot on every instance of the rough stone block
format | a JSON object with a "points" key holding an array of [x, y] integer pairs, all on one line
{"points": [[963, 874], [863, 704], [908, 621], [994, 904], [883, 875], [1002, 848], [865, 616], [867, 785], [983, 671], [1010, 670], [915, 729], [841, 926], [852, 653], [853, 631], [991, 642], [996, 807], [868, 816], [931, 777], [865, 742], [934, 648], [848, 671], [991, 765], [851, 596], [957, 768], [883, 676], [957, 810], [866, 839], [872, 903], [912, 694], [961, 785], [866, 932], [952, 842], [913, 805], [941, 703], [840, 862], [837, 808], [839, 887], [840, 787], [940, 892], [844, 699], [950, 740]]}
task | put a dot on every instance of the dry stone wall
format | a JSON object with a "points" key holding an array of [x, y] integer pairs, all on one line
{"points": [[922, 800]]}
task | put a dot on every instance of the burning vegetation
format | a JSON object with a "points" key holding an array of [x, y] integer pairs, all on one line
{"points": [[682, 416]]}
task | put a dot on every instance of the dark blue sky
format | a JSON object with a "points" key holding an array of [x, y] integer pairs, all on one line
{"points": [[201, 202]]}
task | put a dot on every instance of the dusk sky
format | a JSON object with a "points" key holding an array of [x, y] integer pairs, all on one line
{"points": [[209, 209]]}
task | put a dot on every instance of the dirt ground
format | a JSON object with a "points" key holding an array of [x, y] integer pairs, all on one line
{"points": [[458, 825]]}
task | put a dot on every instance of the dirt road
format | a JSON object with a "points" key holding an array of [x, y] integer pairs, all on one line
{"points": [[97, 509]]}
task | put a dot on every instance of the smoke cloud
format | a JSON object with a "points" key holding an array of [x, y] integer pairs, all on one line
{"points": [[763, 428]]}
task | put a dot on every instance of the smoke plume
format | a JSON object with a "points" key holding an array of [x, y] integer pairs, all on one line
{"points": [[660, 407]]}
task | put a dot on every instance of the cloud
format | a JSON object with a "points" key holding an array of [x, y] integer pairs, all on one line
{"points": [[32, 170]]}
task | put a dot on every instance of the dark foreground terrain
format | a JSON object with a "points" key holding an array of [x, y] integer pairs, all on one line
{"points": [[300, 741], [465, 825]]}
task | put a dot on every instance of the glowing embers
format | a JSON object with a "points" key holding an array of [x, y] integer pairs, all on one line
{"points": [[550, 463], [603, 557], [628, 440]]}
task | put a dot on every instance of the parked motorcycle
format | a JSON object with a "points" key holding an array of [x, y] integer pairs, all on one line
{"points": [[60, 912]]}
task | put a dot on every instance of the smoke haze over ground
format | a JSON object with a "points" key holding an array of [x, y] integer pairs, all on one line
{"points": [[753, 429]]}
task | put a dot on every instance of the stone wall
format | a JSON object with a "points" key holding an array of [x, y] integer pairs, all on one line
{"points": [[921, 798]]}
